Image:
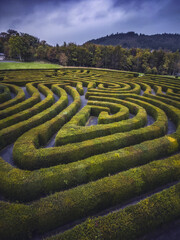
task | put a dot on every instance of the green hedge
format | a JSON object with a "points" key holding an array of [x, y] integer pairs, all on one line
{"points": [[5, 94], [82, 117], [35, 98], [112, 88], [20, 96], [131, 222], [36, 158], [31, 111], [119, 112], [79, 88], [17, 111], [162, 97], [29, 157], [10, 134], [91, 85], [26, 185], [169, 96], [145, 87], [172, 112], [39, 136], [75, 133], [63, 207], [101, 93]]}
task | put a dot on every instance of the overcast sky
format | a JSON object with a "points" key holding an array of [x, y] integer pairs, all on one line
{"points": [[78, 21]]}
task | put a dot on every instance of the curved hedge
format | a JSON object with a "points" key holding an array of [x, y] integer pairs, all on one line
{"points": [[131, 222], [17, 111], [49, 157], [20, 96], [76, 133], [76, 171], [61, 208], [35, 98], [4, 94]]}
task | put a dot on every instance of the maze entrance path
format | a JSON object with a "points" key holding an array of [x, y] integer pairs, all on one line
{"points": [[88, 154]]}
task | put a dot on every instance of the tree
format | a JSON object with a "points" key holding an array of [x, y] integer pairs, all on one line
{"points": [[72, 54], [97, 57], [154, 70], [1, 46], [12, 32], [41, 52], [26, 47], [63, 59], [52, 55], [17, 48]]}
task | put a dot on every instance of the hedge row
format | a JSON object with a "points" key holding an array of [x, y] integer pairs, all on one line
{"points": [[64, 207], [159, 90], [121, 85], [162, 97], [10, 134], [5, 94], [91, 85], [145, 87], [173, 93], [105, 88], [82, 117], [36, 158], [77, 133], [39, 136], [79, 88], [119, 112], [103, 144], [136, 89], [172, 87], [171, 111], [25, 185], [24, 110], [169, 94], [106, 84], [35, 98], [130, 223], [20, 96], [24, 76], [113, 93]]}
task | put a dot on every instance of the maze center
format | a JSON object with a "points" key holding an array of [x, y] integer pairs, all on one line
{"points": [[88, 154]]}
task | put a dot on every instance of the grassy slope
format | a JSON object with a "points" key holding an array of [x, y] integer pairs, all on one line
{"points": [[26, 65]]}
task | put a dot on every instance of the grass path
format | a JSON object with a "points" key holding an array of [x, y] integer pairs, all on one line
{"points": [[27, 65]]}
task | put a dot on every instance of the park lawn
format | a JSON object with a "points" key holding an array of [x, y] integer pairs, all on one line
{"points": [[27, 65]]}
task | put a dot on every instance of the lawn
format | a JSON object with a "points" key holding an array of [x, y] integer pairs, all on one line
{"points": [[27, 65]]}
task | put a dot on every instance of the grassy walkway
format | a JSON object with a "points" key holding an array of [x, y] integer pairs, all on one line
{"points": [[27, 65]]}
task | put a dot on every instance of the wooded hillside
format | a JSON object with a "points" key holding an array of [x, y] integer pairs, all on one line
{"points": [[134, 40]]}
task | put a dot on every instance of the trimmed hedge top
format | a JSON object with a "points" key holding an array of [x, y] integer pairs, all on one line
{"points": [[56, 170]]}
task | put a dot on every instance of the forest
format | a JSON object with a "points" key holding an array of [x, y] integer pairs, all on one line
{"points": [[166, 41], [25, 47]]}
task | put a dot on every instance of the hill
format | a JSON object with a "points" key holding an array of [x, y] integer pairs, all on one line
{"points": [[133, 40]]}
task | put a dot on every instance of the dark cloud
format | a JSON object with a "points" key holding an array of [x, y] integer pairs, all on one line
{"points": [[171, 10], [78, 21]]}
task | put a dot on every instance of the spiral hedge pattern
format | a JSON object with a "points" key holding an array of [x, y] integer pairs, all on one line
{"points": [[78, 144]]}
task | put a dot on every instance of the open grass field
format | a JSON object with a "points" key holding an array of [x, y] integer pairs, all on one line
{"points": [[26, 65], [89, 154]]}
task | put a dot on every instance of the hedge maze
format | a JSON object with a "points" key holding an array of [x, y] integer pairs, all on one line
{"points": [[88, 154]]}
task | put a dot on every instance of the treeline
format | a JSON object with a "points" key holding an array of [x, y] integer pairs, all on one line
{"points": [[166, 41], [25, 47]]}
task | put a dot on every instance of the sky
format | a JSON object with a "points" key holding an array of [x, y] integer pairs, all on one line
{"points": [[59, 21]]}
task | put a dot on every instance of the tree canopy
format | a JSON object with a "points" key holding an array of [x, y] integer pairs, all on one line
{"points": [[25, 47]]}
